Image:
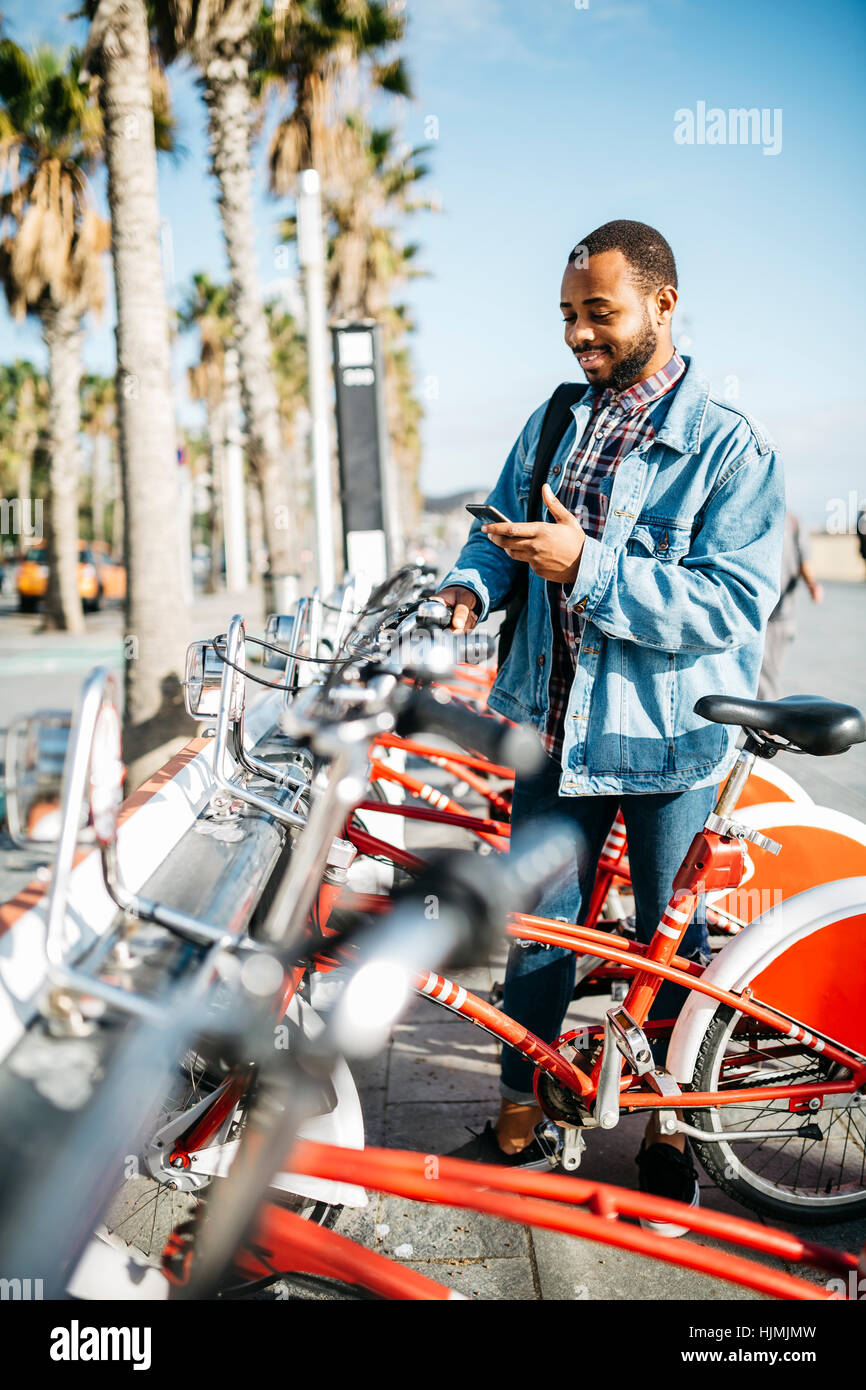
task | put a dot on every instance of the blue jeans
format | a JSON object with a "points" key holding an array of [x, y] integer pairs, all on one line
{"points": [[539, 980]]}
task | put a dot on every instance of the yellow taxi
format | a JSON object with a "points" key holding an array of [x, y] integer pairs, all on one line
{"points": [[112, 574], [32, 582]]}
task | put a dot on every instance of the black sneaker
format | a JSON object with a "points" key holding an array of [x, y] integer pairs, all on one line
{"points": [[484, 1148], [665, 1172]]}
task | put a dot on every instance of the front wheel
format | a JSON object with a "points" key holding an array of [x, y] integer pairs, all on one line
{"points": [[815, 1170]]}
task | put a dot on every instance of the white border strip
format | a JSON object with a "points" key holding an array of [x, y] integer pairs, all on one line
{"points": [[144, 841]]}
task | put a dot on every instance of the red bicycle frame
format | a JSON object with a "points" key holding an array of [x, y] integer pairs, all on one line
{"points": [[283, 1242], [720, 864]]}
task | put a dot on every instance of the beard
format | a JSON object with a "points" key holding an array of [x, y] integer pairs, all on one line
{"points": [[637, 353]]}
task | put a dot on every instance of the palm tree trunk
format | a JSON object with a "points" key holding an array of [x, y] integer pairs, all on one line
{"points": [[25, 478], [61, 329], [349, 302], [256, 531], [155, 612], [226, 93], [100, 464], [118, 526], [216, 439]]}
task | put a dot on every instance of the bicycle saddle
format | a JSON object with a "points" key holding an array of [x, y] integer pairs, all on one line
{"points": [[810, 723]]}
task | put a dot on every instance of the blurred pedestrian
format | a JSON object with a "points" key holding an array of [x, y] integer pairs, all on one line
{"points": [[782, 626]]}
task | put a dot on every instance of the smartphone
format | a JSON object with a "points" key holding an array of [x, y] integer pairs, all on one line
{"points": [[486, 513]]}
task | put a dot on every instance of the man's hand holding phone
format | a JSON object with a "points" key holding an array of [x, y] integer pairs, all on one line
{"points": [[551, 549], [462, 602]]}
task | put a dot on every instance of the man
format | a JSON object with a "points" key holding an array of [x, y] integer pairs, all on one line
{"points": [[782, 624], [651, 576]]}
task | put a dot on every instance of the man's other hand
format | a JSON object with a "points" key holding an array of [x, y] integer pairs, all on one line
{"points": [[462, 603], [551, 549]]}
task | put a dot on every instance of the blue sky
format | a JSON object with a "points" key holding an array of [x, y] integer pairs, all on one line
{"points": [[553, 119]]}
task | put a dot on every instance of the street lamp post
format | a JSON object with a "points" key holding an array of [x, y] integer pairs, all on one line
{"points": [[311, 258]]}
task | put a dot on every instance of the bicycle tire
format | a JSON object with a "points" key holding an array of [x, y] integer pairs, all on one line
{"points": [[759, 1175]]}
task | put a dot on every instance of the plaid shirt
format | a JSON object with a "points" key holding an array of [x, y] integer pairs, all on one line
{"points": [[618, 423]]}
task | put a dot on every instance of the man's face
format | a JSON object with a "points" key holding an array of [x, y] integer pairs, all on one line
{"points": [[618, 335]]}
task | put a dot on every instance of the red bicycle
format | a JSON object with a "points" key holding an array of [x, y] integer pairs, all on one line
{"points": [[768, 1058]]}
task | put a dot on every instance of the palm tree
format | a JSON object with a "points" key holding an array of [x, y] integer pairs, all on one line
{"points": [[289, 367], [207, 308], [216, 36], [303, 44], [313, 50], [50, 264], [366, 257], [98, 418], [23, 422], [118, 52]]}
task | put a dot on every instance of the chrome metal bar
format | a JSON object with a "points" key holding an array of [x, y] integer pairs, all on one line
{"points": [[737, 779], [259, 768], [75, 772], [228, 693], [178, 923], [709, 1137], [300, 634], [346, 611]]}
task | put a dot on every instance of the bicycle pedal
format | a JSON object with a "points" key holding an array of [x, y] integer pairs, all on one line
{"points": [[548, 1135], [497, 994]]}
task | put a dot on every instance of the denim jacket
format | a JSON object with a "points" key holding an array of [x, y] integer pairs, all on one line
{"points": [[676, 593]]}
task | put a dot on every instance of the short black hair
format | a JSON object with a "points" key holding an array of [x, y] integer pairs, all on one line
{"points": [[649, 255]]}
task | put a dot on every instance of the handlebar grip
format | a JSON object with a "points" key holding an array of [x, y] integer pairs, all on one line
{"points": [[506, 744]]}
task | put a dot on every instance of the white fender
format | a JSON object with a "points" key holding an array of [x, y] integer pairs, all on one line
{"points": [[343, 1126], [769, 816], [750, 952], [111, 1269], [768, 813]]}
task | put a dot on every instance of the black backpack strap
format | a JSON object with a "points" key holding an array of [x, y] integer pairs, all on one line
{"points": [[557, 418]]}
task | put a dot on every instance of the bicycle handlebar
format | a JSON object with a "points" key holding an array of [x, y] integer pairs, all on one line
{"points": [[506, 744]]}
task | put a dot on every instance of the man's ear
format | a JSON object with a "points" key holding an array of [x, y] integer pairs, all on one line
{"points": [[665, 301]]}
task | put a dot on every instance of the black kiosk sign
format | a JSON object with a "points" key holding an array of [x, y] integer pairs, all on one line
{"points": [[358, 373]]}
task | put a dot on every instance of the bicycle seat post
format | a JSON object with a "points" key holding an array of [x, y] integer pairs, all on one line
{"points": [[737, 779]]}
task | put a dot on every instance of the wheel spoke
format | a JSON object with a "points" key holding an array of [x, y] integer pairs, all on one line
{"points": [[803, 1171]]}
